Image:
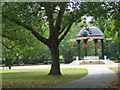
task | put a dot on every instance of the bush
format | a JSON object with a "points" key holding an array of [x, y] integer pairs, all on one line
{"points": [[45, 62], [62, 61], [49, 61]]}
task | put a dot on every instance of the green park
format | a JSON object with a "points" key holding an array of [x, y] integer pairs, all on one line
{"points": [[60, 45]]}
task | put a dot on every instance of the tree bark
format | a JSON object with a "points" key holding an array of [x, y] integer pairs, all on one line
{"points": [[55, 67], [8, 62], [18, 62]]}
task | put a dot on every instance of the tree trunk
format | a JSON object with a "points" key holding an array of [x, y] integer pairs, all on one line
{"points": [[8, 62], [17, 59], [18, 62], [55, 67]]}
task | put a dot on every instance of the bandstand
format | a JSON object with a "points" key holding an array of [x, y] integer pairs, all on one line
{"points": [[90, 33]]}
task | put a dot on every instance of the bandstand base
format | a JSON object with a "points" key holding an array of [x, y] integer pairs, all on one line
{"points": [[80, 62]]}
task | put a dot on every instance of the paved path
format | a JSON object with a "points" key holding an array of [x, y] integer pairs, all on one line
{"points": [[98, 77], [64, 66]]}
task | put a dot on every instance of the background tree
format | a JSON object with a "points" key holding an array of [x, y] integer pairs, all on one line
{"points": [[109, 14]]}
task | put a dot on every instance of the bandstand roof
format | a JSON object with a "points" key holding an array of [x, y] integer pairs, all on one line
{"points": [[93, 33]]}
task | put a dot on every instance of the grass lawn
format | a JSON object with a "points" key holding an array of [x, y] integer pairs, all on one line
{"points": [[115, 84], [38, 78]]}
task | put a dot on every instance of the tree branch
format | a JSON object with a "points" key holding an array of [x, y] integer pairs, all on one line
{"points": [[39, 37], [4, 36], [13, 39], [6, 45], [63, 28], [50, 18], [59, 17], [65, 33], [7, 37]]}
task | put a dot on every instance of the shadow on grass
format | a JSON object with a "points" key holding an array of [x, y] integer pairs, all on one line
{"points": [[38, 78]]}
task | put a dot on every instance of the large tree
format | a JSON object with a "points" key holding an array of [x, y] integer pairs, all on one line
{"points": [[35, 17]]}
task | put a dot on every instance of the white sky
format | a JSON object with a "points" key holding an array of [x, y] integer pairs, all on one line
{"points": [[89, 18]]}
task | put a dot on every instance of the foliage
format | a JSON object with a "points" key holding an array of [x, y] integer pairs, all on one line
{"points": [[48, 22], [37, 78], [39, 53], [34, 31], [107, 17]]}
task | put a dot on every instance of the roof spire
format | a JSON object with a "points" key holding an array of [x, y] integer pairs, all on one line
{"points": [[89, 25]]}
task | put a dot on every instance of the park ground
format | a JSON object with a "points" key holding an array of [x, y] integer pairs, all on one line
{"points": [[36, 76], [116, 83]]}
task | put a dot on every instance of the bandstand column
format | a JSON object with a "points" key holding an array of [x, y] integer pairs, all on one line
{"points": [[85, 43], [78, 41], [95, 42], [102, 43]]}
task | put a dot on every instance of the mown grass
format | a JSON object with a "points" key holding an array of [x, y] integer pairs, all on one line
{"points": [[116, 69], [115, 84], [38, 78]]}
